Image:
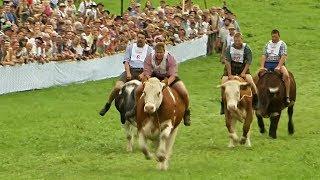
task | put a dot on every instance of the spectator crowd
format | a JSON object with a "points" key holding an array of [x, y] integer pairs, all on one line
{"points": [[54, 30]]}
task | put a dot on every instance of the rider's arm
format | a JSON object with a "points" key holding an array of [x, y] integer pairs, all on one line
{"points": [[172, 69], [263, 57], [283, 54], [224, 47], [228, 66], [126, 60], [228, 61], [147, 66], [248, 58], [262, 61], [282, 60], [127, 67]]}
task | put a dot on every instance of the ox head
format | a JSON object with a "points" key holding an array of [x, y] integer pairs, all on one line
{"points": [[152, 94], [271, 93], [232, 93], [125, 101]]}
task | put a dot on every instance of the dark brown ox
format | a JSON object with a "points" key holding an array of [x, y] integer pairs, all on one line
{"points": [[272, 100], [237, 97], [159, 112]]}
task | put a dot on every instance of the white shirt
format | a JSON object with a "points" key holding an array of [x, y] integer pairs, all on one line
{"points": [[237, 54]]}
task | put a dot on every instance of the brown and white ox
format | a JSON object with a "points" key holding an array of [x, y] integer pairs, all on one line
{"points": [[160, 110], [237, 97], [272, 98]]}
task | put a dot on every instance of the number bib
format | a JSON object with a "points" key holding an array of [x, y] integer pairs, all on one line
{"points": [[237, 54]]}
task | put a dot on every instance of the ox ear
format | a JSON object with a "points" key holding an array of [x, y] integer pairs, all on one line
{"points": [[144, 79], [222, 85], [244, 85], [164, 85]]}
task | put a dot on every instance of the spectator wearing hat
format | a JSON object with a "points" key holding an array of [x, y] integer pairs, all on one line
{"points": [[15, 47], [24, 10], [100, 10], [228, 42], [54, 4], [70, 6], [47, 10], [7, 30], [180, 35], [62, 11], [91, 13], [223, 32], [22, 52], [7, 54], [85, 6], [9, 15], [162, 6], [39, 53]]}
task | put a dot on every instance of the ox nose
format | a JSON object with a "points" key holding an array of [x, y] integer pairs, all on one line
{"points": [[149, 108]]}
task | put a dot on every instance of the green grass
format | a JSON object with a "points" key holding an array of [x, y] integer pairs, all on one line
{"points": [[56, 133], [115, 5]]}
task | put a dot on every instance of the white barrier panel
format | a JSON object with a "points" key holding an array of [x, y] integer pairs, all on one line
{"points": [[38, 76]]}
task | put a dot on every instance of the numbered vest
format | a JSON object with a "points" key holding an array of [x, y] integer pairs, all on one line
{"points": [[139, 54], [237, 54], [273, 51]]}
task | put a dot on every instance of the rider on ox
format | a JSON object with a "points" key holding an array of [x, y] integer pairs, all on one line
{"points": [[238, 60], [274, 57], [161, 64], [135, 56]]}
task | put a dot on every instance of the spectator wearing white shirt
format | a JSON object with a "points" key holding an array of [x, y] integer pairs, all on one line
{"points": [[84, 6], [62, 10]]}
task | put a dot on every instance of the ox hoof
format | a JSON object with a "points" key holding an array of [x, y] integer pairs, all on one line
{"points": [[231, 145], [273, 136], [129, 148], [148, 157], [243, 140], [147, 154], [161, 157], [163, 166]]}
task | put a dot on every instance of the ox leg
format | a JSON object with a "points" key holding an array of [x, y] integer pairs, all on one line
{"points": [[274, 120], [129, 134], [261, 124], [162, 153], [245, 139], [232, 133], [290, 122], [169, 146], [143, 145]]}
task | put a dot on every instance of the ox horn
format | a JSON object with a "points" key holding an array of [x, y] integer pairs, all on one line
{"points": [[273, 90]]}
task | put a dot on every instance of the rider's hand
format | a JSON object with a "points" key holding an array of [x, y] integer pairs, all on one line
{"points": [[230, 77], [262, 69], [129, 76], [243, 75], [165, 81], [141, 77], [277, 68]]}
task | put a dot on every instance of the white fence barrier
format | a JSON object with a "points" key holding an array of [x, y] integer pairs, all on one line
{"points": [[38, 76]]}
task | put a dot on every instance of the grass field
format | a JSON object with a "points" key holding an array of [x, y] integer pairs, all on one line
{"points": [[56, 133]]}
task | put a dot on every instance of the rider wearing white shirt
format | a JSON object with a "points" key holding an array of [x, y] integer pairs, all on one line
{"points": [[274, 57], [134, 58]]}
